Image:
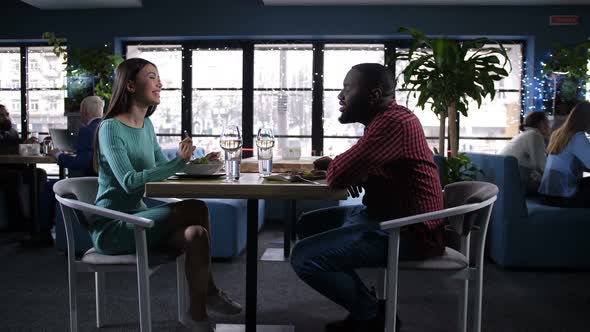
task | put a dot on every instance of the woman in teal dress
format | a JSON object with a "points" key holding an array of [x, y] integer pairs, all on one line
{"points": [[126, 157]]}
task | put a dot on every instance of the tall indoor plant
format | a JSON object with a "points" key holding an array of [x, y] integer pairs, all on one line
{"points": [[449, 74], [564, 72], [96, 64]]}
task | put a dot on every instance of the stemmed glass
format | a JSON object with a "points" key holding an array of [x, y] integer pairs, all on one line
{"points": [[265, 141], [231, 142]]}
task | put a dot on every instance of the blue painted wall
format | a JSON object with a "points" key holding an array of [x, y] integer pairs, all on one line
{"points": [[247, 18], [251, 17]]}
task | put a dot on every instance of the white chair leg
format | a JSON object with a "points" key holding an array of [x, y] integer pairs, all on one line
{"points": [[478, 300], [381, 284], [181, 285], [143, 282], [99, 289], [72, 293], [392, 272], [463, 306]]}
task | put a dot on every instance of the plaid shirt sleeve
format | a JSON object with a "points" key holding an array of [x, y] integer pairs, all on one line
{"points": [[381, 143]]}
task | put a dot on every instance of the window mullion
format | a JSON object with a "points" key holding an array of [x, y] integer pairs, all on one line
{"points": [[24, 115], [248, 98], [187, 86], [317, 108]]}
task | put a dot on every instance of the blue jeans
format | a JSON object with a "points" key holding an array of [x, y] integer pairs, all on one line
{"points": [[334, 242]]}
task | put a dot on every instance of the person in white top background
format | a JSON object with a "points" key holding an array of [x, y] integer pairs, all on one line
{"points": [[529, 149]]}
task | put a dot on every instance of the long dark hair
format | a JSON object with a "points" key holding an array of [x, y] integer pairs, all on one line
{"points": [[534, 120], [577, 121], [121, 97]]}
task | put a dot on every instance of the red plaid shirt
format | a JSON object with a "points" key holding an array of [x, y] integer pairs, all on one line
{"points": [[396, 168]]}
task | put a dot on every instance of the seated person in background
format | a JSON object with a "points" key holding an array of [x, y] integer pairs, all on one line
{"points": [[529, 149], [90, 114], [127, 156], [14, 178], [393, 164], [568, 157], [8, 134]]}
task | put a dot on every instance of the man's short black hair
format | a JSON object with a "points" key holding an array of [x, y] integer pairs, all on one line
{"points": [[374, 75]]}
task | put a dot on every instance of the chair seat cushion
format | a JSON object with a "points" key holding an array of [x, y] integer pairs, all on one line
{"points": [[158, 257], [450, 260]]}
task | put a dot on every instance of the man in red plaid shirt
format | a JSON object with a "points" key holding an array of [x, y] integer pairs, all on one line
{"points": [[396, 169]]}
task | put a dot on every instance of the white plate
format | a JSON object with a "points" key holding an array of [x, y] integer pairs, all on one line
{"points": [[203, 169]]}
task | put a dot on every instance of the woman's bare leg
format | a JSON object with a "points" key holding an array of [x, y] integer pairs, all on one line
{"points": [[190, 221], [194, 240], [194, 213]]}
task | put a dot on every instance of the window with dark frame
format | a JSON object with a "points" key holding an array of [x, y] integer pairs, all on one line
{"points": [[279, 83], [32, 88]]}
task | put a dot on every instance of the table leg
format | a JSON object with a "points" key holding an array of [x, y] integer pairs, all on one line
{"points": [[35, 226], [252, 281], [289, 228], [251, 265], [278, 254]]}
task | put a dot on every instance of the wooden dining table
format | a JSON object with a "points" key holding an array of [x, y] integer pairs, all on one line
{"points": [[30, 162], [253, 188]]}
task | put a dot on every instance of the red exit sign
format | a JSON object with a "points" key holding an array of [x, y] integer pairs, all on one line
{"points": [[564, 20]]}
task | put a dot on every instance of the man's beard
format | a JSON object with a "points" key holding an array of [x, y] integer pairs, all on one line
{"points": [[355, 112], [6, 125]]}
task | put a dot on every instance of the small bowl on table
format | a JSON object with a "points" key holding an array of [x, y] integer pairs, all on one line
{"points": [[210, 168]]}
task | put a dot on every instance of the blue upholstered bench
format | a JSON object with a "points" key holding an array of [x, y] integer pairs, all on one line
{"points": [[228, 223], [525, 233]]}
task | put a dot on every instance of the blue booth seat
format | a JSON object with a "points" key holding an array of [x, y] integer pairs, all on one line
{"points": [[228, 223], [523, 232], [228, 227]]}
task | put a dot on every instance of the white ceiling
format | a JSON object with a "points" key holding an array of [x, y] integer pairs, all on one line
{"points": [[83, 4], [423, 2]]}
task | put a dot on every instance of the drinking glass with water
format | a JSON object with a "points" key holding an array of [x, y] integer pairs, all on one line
{"points": [[231, 142], [265, 141]]}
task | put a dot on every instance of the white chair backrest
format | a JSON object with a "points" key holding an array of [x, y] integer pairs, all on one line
{"points": [[467, 192], [83, 189]]}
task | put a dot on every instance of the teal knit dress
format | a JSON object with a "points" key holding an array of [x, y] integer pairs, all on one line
{"points": [[129, 158]]}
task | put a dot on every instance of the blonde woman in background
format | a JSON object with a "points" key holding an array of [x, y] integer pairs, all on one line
{"points": [[569, 157]]}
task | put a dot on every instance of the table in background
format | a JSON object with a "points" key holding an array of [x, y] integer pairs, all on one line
{"points": [[250, 165], [252, 188], [31, 164]]}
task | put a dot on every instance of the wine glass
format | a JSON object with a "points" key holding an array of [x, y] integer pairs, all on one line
{"points": [[265, 141], [231, 142]]}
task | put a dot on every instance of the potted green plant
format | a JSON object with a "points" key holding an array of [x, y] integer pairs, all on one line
{"points": [[564, 74], [459, 168], [449, 74], [87, 68]]}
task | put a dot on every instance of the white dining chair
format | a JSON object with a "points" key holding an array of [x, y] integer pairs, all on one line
{"points": [[76, 198], [468, 206]]}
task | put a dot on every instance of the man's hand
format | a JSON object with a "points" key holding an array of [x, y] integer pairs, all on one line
{"points": [[213, 156], [186, 148], [322, 163], [355, 191]]}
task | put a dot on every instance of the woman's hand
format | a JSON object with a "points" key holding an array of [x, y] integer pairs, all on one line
{"points": [[186, 148], [213, 156]]}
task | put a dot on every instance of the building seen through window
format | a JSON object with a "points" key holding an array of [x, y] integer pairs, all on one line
{"points": [[216, 93], [282, 94]]}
